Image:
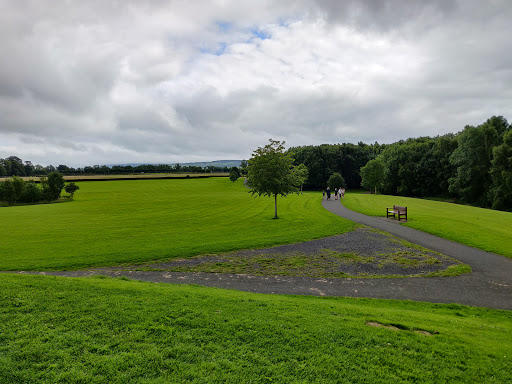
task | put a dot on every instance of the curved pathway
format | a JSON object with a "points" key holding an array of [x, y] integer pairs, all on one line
{"points": [[489, 285]]}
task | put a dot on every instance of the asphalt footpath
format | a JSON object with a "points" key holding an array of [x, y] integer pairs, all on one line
{"points": [[488, 285]]}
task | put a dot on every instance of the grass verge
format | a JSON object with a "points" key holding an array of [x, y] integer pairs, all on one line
{"points": [[106, 330], [486, 229]]}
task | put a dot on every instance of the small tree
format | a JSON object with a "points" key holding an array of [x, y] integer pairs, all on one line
{"points": [[336, 181], [233, 176], [19, 186], [243, 167], [236, 170], [31, 193], [271, 172], [8, 192], [52, 185], [372, 175], [71, 188]]}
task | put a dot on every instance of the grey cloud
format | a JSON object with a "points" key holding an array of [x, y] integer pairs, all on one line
{"points": [[384, 15], [126, 81]]}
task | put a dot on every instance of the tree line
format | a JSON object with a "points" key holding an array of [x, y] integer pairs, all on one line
{"points": [[16, 190], [14, 166], [473, 166], [322, 161]]}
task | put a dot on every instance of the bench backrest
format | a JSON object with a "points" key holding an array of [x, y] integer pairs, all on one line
{"points": [[398, 208]]}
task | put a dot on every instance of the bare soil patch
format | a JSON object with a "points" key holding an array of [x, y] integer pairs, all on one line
{"points": [[402, 328], [361, 253]]}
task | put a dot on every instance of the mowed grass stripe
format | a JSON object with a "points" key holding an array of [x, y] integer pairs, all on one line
{"points": [[95, 330], [115, 222], [486, 229]]}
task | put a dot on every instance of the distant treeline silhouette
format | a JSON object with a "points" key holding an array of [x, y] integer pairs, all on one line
{"points": [[14, 166]]}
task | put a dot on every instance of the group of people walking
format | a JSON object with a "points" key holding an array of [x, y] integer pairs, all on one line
{"points": [[338, 192]]}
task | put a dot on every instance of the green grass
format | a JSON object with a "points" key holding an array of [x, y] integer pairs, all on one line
{"points": [[116, 222], [325, 264], [58, 330], [486, 229]]}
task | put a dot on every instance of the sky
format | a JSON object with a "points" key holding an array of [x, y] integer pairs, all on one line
{"points": [[151, 81]]}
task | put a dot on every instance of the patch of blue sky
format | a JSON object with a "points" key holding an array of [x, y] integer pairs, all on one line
{"points": [[257, 33], [224, 26], [219, 50]]}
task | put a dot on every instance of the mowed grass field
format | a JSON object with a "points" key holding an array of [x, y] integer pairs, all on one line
{"points": [[92, 330], [116, 222], [103, 330], [486, 229]]}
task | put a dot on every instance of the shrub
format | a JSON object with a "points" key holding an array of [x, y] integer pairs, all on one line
{"points": [[31, 193], [71, 188]]}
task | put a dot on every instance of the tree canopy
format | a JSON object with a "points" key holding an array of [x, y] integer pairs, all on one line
{"points": [[271, 172], [336, 181], [372, 175], [15, 190], [473, 166], [233, 176]]}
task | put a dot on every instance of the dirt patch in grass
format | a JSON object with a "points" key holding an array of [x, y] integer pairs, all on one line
{"points": [[360, 253], [394, 327]]}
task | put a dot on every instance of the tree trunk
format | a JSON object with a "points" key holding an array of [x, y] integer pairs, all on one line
{"points": [[275, 206]]}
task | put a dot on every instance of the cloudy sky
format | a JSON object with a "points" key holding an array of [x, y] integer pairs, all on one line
{"points": [[122, 81]]}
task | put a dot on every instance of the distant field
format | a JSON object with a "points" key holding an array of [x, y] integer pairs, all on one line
{"points": [[115, 222], [486, 229], [134, 176], [69, 330]]}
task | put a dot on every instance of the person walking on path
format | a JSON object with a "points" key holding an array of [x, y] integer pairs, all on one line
{"points": [[328, 193], [342, 193], [335, 193]]}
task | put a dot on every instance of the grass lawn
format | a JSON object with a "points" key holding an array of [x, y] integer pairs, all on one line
{"points": [[486, 229], [115, 222], [58, 330], [129, 176]]}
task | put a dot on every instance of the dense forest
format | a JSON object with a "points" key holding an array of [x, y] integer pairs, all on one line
{"points": [[324, 160], [473, 166]]}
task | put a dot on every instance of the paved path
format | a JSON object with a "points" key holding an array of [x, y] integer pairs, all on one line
{"points": [[489, 285]]}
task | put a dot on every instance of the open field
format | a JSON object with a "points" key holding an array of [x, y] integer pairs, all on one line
{"points": [[115, 222], [95, 330], [486, 229], [135, 176]]}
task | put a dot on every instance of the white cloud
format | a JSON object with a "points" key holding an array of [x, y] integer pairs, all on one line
{"points": [[166, 81]]}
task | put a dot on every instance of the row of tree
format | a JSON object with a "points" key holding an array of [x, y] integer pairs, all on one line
{"points": [[14, 166], [473, 166], [16, 190], [323, 160]]}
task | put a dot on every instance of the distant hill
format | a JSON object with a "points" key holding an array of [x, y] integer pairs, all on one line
{"points": [[202, 164], [217, 163]]}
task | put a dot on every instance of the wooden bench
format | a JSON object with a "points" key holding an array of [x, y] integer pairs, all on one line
{"points": [[397, 210]]}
